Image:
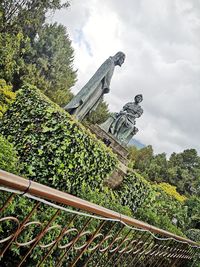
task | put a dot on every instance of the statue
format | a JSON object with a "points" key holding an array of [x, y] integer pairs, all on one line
{"points": [[92, 93], [122, 125]]}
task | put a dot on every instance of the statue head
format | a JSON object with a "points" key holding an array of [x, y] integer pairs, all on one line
{"points": [[119, 58], [138, 98]]}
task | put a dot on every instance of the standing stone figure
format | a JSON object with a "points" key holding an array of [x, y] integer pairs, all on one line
{"points": [[122, 125], [92, 93]]}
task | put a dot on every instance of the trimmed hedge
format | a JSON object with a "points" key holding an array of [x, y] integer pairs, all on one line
{"points": [[134, 190], [55, 149]]}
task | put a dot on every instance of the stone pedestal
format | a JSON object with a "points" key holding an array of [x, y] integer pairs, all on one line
{"points": [[108, 139], [121, 152]]}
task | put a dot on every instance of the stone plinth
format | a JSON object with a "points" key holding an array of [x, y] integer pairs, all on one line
{"points": [[116, 178], [108, 139]]}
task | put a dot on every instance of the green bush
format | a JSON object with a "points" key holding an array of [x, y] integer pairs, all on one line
{"points": [[6, 96], [194, 234], [8, 157], [151, 204], [134, 190], [55, 149], [163, 211]]}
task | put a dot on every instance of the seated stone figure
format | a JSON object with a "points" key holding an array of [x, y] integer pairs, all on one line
{"points": [[122, 125]]}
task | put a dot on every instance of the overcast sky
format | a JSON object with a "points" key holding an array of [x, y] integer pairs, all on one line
{"points": [[161, 40]]}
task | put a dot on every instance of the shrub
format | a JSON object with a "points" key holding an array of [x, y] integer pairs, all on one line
{"points": [[194, 234], [55, 149], [8, 157], [6, 96], [150, 203], [134, 190], [171, 190]]}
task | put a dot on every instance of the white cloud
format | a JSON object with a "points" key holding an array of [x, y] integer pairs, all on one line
{"points": [[161, 42]]}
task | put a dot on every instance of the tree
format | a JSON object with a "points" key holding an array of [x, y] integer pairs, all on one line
{"points": [[184, 170], [52, 57], [157, 170], [100, 115], [188, 159], [34, 52], [11, 50], [193, 204], [26, 15], [143, 159]]}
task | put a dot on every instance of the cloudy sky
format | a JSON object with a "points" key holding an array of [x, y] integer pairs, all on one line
{"points": [[161, 40]]}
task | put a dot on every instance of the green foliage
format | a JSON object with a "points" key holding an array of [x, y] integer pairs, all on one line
{"points": [[171, 190], [141, 158], [181, 170], [55, 150], [104, 197], [27, 15], [53, 57], [184, 171], [194, 234], [6, 96], [163, 211], [152, 204], [34, 52], [8, 157], [13, 48], [133, 191], [99, 115], [193, 204]]}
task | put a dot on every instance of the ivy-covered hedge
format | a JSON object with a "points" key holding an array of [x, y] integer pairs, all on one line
{"points": [[134, 190], [153, 203], [55, 149]]}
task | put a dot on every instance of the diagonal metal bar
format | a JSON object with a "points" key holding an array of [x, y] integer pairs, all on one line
{"points": [[7, 202], [19, 229], [116, 235], [157, 257], [129, 259], [121, 256], [38, 238], [112, 254], [161, 262], [61, 259], [89, 242], [111, 248], [141, 253], [92, 254], [58, 239]]}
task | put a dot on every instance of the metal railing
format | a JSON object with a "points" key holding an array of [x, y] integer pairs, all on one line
{"points": [[42, 226]]}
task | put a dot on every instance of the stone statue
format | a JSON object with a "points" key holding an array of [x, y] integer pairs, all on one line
{"points": [[122, 125], [92, 93]]}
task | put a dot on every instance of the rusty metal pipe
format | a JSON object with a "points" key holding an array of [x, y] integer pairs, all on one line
{"points": [[42, 191]]}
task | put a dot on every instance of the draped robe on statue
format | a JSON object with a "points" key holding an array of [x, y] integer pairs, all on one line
{"points": [[92, 93]]}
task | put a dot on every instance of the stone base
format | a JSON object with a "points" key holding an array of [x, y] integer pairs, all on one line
{"points": [[116, 178], [108, 139]]}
